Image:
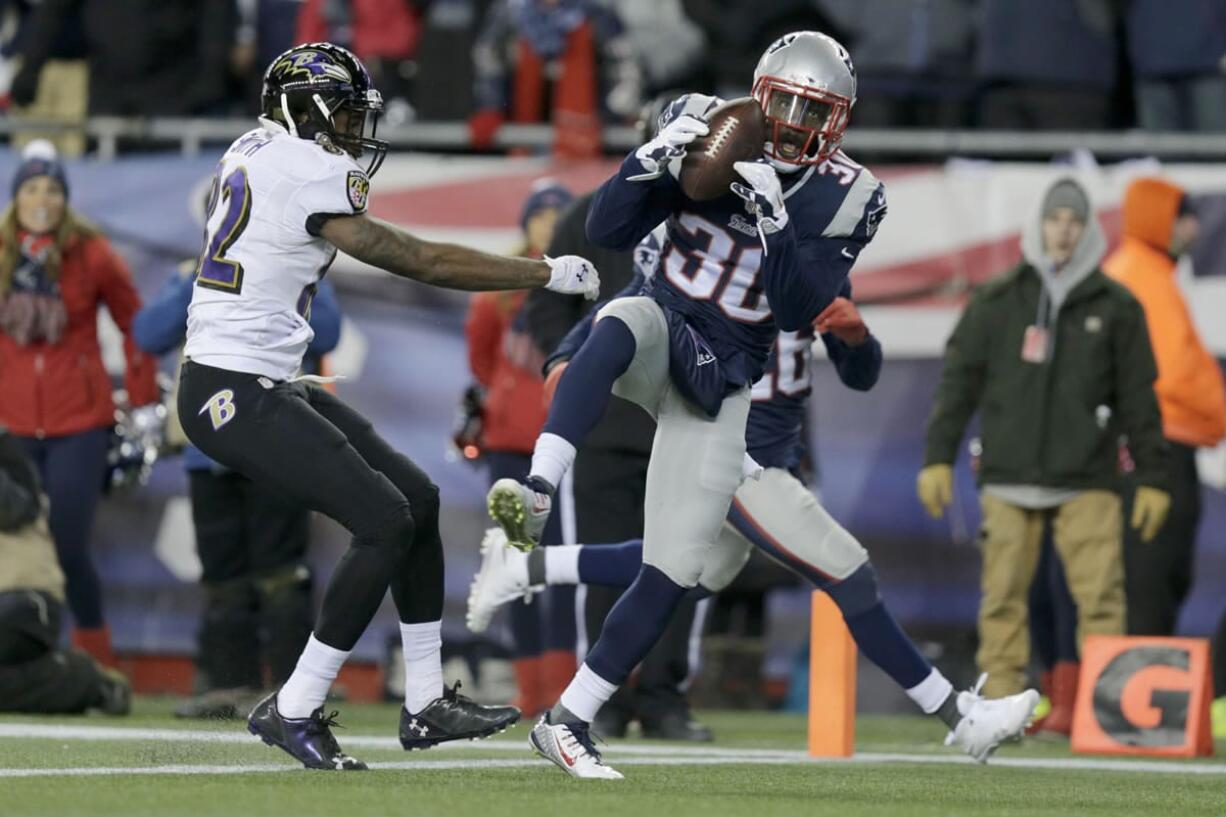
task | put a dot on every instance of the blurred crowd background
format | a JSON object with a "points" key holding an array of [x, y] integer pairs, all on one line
{"points": [[140, 97], [995, 64]]}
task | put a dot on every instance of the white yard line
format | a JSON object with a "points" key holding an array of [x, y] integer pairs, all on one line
{"points": [[623, 754], [238, 735]]}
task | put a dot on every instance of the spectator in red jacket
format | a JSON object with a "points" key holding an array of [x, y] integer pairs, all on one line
{"points": [[507, 363], [55, 271]]}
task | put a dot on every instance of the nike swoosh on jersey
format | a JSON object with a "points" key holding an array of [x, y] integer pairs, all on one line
{"points": [[848, 255]]}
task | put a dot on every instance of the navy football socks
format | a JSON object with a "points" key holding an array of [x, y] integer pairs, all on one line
{"points": [[585, 387], [634, 625], [611, 565]]}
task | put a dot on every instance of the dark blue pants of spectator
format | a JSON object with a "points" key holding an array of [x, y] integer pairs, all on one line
{"points": [[1053, 613], [72, 469]]}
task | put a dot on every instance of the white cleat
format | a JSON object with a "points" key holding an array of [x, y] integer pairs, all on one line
{"points": [[502, 579], [986, 723], [520, 511], [570, 748]]}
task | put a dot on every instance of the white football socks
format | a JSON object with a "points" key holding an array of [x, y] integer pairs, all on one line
{"points": [[931, 692], [586, 694], [552, 458], [308, 685], [562, 564], [423, 664]]}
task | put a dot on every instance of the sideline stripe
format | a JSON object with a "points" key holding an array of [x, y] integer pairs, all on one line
{"points": [[444, 765], [627, 754], [240, 736]]}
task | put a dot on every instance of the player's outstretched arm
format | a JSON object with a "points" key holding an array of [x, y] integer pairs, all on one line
{"points": [[449, 265]]}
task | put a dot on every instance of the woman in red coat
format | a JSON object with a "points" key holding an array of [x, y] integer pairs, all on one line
{"points": [[55, 395]]}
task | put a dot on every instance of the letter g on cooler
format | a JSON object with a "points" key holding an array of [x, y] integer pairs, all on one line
{"points": [[220, 407], [1144, 696]]}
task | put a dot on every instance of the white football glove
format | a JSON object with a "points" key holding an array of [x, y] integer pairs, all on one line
{"points": [[669, 144], [572, 275], [763, 197]]}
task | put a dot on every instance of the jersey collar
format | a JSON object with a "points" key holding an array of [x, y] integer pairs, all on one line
{"points": [[799, 183], [270, 125]]}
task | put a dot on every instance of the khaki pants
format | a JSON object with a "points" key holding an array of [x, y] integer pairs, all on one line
{"points": [[1087, 535], [63, 96]]}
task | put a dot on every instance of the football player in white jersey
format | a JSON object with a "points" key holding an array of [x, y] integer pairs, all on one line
{"points": [[286, 196]]}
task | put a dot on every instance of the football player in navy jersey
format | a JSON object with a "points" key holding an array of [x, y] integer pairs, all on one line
{"points": [[769, 255], [778, 514]]}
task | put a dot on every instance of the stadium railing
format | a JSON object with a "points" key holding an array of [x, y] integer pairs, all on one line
{"points": [[192, 135]]}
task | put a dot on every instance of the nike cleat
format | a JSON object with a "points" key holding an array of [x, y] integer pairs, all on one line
{"points": [[453, 717], [502, 579], [986, 723], [520, 511], [308, 740], [569, 746]]}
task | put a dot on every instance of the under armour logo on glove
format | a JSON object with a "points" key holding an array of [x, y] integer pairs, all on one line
{"points": [[763, 197], [668, 145], [572, 275]]}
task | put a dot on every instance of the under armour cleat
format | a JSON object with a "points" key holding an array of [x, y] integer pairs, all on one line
{"points": [[569, 746], [502, 578], [986, 723], [520, 511], [453, 717], [308, 740]]}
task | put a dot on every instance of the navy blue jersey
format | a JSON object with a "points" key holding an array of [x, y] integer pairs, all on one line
{"points": [[713, 267], [774, 435]]}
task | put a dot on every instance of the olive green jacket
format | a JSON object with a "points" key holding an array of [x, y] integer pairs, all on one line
{"points": [[1056, 423]]}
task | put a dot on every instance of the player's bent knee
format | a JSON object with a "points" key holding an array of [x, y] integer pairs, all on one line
{"points": [[640, 314], [682, 572], [397, 530], [426, 502], [857, 593]]}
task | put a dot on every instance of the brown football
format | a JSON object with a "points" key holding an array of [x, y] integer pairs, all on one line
{"points": [[737, 134]]}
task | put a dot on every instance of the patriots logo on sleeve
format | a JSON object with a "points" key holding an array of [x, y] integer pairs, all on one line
{"points": [[876, 213], [359, 189]]}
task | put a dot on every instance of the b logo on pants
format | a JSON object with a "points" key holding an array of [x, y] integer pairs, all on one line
{"points": [[221, 408]]}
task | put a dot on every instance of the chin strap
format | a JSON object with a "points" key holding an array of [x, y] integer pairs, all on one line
{"points": [[290, 125]]}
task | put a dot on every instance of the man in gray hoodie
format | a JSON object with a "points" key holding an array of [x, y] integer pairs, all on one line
{"points": [[1056, 358]]}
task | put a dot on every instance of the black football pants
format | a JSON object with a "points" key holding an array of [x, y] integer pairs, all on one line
{"points": [[307, 445]]}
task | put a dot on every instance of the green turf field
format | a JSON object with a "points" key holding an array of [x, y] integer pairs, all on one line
{"points": [[140, 766]]}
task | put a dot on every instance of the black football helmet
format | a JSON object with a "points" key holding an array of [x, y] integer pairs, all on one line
{"points": [[308, 85]]}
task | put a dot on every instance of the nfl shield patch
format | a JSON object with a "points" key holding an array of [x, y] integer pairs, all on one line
{"points": [[359, 190]]}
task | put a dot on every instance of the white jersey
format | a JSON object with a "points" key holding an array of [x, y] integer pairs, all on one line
{"points": [[262, 256]]}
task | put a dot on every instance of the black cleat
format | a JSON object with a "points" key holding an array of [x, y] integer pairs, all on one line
{"points": [[453, 717], [308, 740]]}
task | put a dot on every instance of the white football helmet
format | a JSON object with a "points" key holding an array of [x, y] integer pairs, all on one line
{"points": [[806, 85]]}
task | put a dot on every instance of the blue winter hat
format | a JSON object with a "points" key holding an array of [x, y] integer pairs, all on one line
{"points": [[40, 159], [545, 193]]}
